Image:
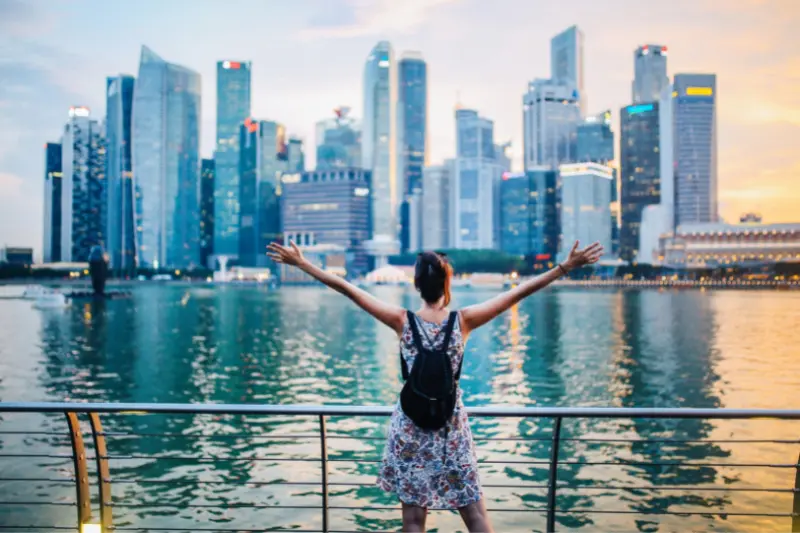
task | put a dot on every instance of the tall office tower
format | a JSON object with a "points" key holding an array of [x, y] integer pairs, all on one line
{"points": [[585, 205], [51, 251], [412, 121], [595, 139], [83, 186], [551, 114], [338, 141], [529, 214], [378, 150], [120, 235], [295, 157], [166, 163], [474, 183], [436, 206], [233, 107], [695, 138], [206, 212], [649, 73], [566, 61], [262, 163], [639, 171]]}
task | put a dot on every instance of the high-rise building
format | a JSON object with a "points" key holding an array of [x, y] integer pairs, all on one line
{"points": [[338, 141], [262, 164], [639, 171], [166, 163], [566, 61], [529, 214], [51, 251], [83, 186], [436, 206], [412, 121], [474, 183], [649, 73], [585, 205], [206, 212], [233, 107], [595, 139], [120, 235], [329, 207], [378, 149], [695, 148], [295, 157], [551, 114]]}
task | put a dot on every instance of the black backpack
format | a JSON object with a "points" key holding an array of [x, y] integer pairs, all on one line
{"points": [[428, 397]]}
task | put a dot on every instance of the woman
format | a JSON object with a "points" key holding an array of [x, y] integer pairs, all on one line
{"points": [[414, 467]]}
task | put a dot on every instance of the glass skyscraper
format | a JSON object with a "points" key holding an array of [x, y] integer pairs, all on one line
{"points": [[83, 186], [551, 114], [166, 163], [233, 107], [529, 214], [585, 205], [649, 73], [120, 238], [639, 171], [695, 148], [566, 61], [206, 212], [595, 139], [412, 120], [51, 250], [436, 206], [295, 156], [338, 141], [378, 148]]}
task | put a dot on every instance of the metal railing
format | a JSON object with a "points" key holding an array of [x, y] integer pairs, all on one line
{"points": [[101, 485]]}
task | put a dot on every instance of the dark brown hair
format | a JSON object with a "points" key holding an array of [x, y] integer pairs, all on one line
{"points": [[432, 275]]}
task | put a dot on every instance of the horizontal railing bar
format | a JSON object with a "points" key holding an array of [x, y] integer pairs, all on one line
{"points": [[23, 432], [397, 508], [207, 459], [683, 441], [232, 505], [36, 480], [220, 436], [38, 528], [656, 488], [675, 513], [35, 455], [33, 504], [248, 530], [383, 411], [682, 465]]}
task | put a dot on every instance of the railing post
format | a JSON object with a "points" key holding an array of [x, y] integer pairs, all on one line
{"points": [[324, 465], [103, 472], [553, 476], [81, 472], [796, 499]]}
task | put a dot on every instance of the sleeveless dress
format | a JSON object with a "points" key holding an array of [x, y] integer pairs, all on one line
{"points": [[414, 465]]}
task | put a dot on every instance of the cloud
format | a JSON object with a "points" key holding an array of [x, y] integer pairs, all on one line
{"points": [[359, 18]]}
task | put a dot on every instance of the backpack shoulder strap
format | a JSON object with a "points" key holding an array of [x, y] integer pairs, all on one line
{"points": [[454, 316], [448, 330], [412, 323]]}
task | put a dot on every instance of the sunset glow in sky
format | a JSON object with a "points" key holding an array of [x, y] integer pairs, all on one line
{"points": [[308, 58]]}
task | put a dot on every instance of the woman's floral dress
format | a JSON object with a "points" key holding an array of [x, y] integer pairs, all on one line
{"points": [[415, 465]]}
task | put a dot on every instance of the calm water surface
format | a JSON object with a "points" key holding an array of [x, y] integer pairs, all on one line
{"points": [[564, 347]]}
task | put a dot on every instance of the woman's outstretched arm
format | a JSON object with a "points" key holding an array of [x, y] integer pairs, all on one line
{"points": [[475, 316], [391, 315]]}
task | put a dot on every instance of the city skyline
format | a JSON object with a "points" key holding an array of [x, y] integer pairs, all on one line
{"points": [[757, 122]]}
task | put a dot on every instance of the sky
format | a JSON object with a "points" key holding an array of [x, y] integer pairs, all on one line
{"points": [[308, 58]]}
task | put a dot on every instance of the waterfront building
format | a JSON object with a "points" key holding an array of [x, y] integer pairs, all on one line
{"points": [[566, 61], [529, 214], [378, 149], [649, 73], [120, 233], [295, 156], [51, 249], [207, 212], [551, 114], [83, 186], [436, 205], [412, 134], [329, 207], [166, 163], [695, 148], [595, 139], [585, 205], [639, 171], [338, 141], [233, 107], [474, 183], [16, 255]]}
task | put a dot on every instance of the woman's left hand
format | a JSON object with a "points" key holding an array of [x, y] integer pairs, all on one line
{"points": [[288, 255]]}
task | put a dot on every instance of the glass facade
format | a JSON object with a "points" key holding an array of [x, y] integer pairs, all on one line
{"points": [[436, 206], [295, 157], [595, 140], [566, 60], [695, 148], [529, 214], [206, 212], [52, 203], [639, 171], [166, 163], [338, 142], [585, 205], [412, 120], [233, 107], [551, 114], [649, 73], [515, 214], [120, 240], [330, 207]]}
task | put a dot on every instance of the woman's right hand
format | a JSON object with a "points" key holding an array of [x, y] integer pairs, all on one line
{"points": [[579, 258], [287, 255]]}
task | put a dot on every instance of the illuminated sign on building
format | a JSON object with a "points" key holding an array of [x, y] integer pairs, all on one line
{"points": [[233, 65], [78, 111], [361, 191], [699, 91], [642, 108]]}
